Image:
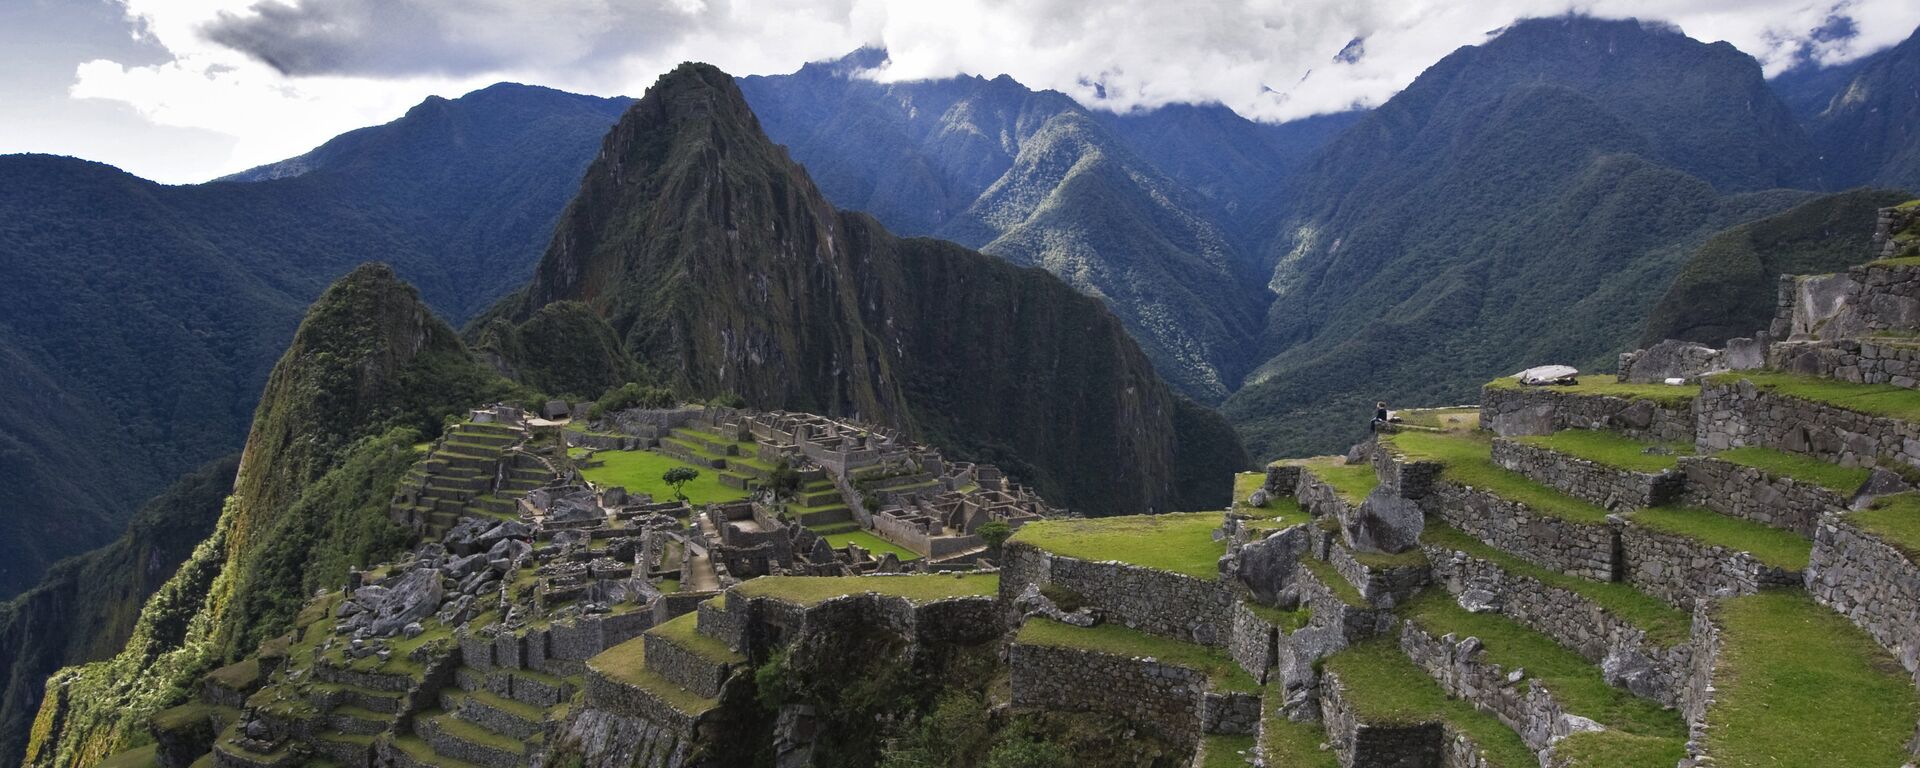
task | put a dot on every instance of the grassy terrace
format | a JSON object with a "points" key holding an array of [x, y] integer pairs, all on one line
{"points": [[1446, 419], [627, 663], [682, 630], [1116, 640], [1798, 684], [1894, 520], [1663, 623], [138, 757], [1352, 481], [640, 471], [1574, 681], [1612, 449], [1179, 543], [870, 543], [1285, 620], [1871, 399], [1291, 744], [1227, 751], [1330, 576], [1385, 688], [1244, 484], [1279, 514], [1769, 545], [813, 590], [1468, 460], [1604, 385], [1806, 469]]}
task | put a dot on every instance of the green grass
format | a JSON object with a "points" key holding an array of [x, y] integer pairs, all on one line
{"points": [[1663, 623], [1279, 514], [1610, 749], [1290, 744], [1574, 681], [1330, 576], [684, 632], [1806, 469], [1287, 621], [469, 732], [1900, 261], [627, 663], [1468, 460], [1351, 481], [1385, 688], [1227, 751], [870, 543], [1117, 640], [138, 757], [1383, 562], [1605, 385], [1894, 520], [1455, 419], [1797, 684], [812, 590], [1871, 399], [640, 471], [1244, 484], [1611, 449], [1769, 545], [1178, 543]]}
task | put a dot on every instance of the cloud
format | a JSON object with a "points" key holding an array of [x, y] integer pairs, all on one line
{"points": [[284, 75]]}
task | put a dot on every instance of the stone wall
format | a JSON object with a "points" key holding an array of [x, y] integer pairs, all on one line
{"points": [[1281, 479], [1157, 602], [1320, 499], [1161, 698], [1670, 359], [1737, 413], [1862, 300], [1697, 695], [1751, 494], [1624, 653], [1860, 361], [1463, 671], [1871, 583], [684, 667], [1358, 743], [1516, 411], [1405, 478], [1680, 570], [1352, 622], [1382, 587], [1580, 549], [1251, 644], [1589, 480]]}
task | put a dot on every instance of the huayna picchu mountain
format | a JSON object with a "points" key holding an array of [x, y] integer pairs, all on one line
{"points": [[711, 254]]}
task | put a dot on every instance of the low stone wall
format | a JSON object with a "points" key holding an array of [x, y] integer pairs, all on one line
{"points": [[1230, 712], [1382, 587], [1405, 478], [684, 667], [1157, 602], [1589, 480], [1872, 584], [609, 694], [1352, 622], [1741, 491], [1515, 411], [1681, 570], [1161, 698], [1860, 361], [1320, 499], [1736, 413], [1358, 743], [1281, 479], [1697, 695], [1463, 671], [1585, 550], [1252, 642], [1624, 653]]}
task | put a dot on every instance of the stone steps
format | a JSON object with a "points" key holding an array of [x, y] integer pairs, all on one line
{"points": [[495, 713], [357, 720], [677, 651], [621, 681], [452, 737], [1683, 554], [818, 497]]}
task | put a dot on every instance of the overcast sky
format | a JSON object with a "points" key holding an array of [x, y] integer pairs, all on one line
{"points": [[185, 90]]}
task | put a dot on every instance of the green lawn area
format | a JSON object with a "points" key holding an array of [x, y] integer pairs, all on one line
{"points": [[1612, 449], [1806, 469], [1772, 546], [812, 590], [1244, 484], [1330, 576], [1575, 682], [1457, 419], [640, 471], [1117, 640], [870, 543], [1227, 751], [1611, 749], [1285, 620], [1895, 520], [1290, 744], [1663, 623], [1180, 543], [138, 757], [1871, 399], [1385, 688], [1279, 514], [1797, 684], [627, 663], [1468, 460], [683, 631], [1605, 385], [1351, 481]]}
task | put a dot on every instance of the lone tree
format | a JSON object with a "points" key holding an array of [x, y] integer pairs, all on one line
{"points": [[680, 476], [995, 533]]}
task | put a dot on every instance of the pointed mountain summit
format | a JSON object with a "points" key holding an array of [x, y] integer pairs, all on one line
{"points": [[719, 264]]}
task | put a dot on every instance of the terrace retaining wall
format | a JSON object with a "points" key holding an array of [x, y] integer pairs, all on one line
{"points": [[1580, 549], [1586, 479], [1753, 494], [1736, 413], [1680, 570], [1860, 361], [1162, 603], [1874, 585], [1515, 411]]}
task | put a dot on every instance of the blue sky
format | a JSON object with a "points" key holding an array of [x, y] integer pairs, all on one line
{"points": [[185, 90]]}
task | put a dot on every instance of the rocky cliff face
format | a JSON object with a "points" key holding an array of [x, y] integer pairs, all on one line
{"points": [[368, 372], [720, 265]]}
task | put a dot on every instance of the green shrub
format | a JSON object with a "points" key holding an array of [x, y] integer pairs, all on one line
{"points": [[631, 395]]}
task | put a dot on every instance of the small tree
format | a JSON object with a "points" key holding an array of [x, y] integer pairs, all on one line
{"points": [[784, 480], [678, 477], [995, 533]]}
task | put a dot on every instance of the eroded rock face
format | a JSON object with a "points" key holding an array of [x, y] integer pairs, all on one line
{"points": [[1266, 566], [1670, 359], [1385, 523], [414, 597]]}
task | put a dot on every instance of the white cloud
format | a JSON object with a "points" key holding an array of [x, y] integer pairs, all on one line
{"points": [[314, 68]]}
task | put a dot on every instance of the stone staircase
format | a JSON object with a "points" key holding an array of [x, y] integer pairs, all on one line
{"points": [[468, 472]]}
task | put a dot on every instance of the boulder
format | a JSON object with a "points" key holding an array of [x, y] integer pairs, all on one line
{"points": [[1384, 523], [414, 597], [1882, 482], [1541, 375], [1670, 359], [1266, 566]]}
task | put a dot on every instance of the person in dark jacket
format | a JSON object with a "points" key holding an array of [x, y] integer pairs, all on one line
{"points": [[1380, 416]]}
